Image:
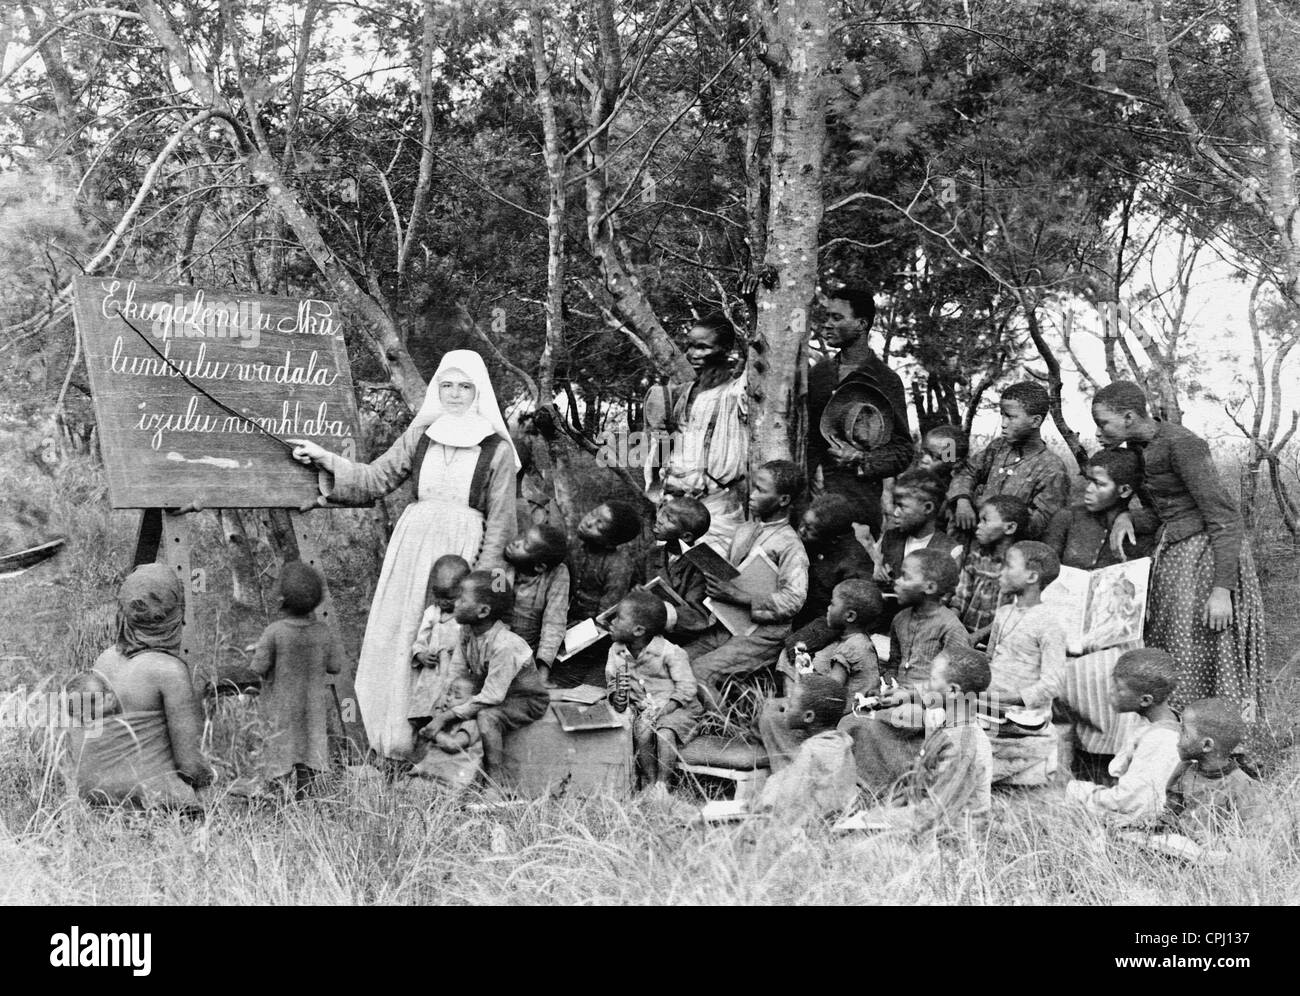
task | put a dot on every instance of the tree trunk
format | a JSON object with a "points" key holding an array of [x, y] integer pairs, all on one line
{"points": [[798, 52], [555, 174], [1072, 441]]}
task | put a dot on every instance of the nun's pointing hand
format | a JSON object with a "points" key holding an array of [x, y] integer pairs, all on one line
{"points": [[307, 452]]}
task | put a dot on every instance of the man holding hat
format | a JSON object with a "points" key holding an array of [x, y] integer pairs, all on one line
{"points": [[858, 432]]}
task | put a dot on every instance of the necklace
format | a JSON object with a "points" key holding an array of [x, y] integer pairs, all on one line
{"points": [[1004, 631]]}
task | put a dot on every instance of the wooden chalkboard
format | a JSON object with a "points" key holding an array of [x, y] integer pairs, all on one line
{"points": [[280, 361]]}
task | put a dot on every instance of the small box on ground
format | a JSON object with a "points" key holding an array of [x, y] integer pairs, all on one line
{"points": [[541, 759]]}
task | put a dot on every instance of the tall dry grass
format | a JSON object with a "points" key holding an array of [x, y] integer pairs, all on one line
{"points": [[367, 841]]}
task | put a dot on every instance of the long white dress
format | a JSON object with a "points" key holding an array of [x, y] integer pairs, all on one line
{"points": [[439, 522]]}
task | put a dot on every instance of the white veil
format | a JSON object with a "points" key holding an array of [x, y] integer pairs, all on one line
{"points": [[482, 419]]}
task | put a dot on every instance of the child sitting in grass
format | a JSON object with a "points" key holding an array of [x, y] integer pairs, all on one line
{"points": [[435, 641], [1002, 523], [536, 569], [1209, 795], [850, 660], [653, 677], [951, 781], [294, 657], [718, 655], [821, 780], [886, 741], [679, 524], [455, 756], [1141, 683], [1027, 643], [510, 691]]}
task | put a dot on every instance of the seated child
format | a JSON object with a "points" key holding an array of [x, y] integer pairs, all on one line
{"points": [[850, 660], [456, 754], [951, 780], [718, 654], [654, 677], [1209, 795], [435, 641], [600, 574], [680, 523], [511, 693], [1027, 643], [886, 741], [1091, 732], [821, 780], [294, 656], [1018, 464], [918, 497], [979, 591], [834, 554], [540, 578], [1141, 683]]}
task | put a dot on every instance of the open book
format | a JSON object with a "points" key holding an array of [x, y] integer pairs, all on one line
{"points": [[758, 576], [1101, 608], [580, 636]]}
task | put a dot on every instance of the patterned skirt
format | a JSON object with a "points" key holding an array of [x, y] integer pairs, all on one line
{"points": [[1229, 663]]}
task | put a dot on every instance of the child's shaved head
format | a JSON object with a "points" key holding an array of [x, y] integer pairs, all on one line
{"points": [[1216, 718], [449, 571]]}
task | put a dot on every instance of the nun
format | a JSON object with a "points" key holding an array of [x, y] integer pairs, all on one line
{"points": [[460, 455]]}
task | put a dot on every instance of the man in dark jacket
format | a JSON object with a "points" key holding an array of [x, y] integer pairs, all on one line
{"points": [[845, 317]]}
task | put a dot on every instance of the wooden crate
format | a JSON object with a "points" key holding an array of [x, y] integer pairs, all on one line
{"points": [[541, 759]]}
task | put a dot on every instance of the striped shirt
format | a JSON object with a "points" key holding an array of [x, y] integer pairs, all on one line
{"points": [[541, 608], [914, 642]]}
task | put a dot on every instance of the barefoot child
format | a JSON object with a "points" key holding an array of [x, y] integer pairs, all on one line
{"points": [[435, 641], [775, 486], [540, 577], [455, 755], [653, 677], [294, 656], [850, 660], [510, 691], [1141, 683]]}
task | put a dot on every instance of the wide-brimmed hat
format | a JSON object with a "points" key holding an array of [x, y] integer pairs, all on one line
{"points": [[857, 404]]}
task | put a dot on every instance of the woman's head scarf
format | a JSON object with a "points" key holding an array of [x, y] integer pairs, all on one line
{"points": [[483, 417], [150, 611]]}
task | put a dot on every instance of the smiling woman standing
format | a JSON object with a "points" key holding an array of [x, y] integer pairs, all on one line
{"points": [[459, 452], [1205, 606]]}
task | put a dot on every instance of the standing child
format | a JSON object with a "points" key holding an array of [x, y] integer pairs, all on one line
{"points": [[950, 784], [456, 754], [654, 677], [718, 654], [1003, 520], [886, 742], [294, 656], [821, 780], [510, 691], [1018, 464], [1027, 643], [1209, 795], [850, 659], [1092, 732], [918, 498], [1141, 683], [435, 641], [680, 523], [541, 582]]}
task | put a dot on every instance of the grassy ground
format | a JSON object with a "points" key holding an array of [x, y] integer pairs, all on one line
{"points": [[368, 842]]}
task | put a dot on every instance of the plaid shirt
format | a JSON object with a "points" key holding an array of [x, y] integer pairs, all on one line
{"points": [[1038, 477], [541, 608], [914, 642], [979, 588]]}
